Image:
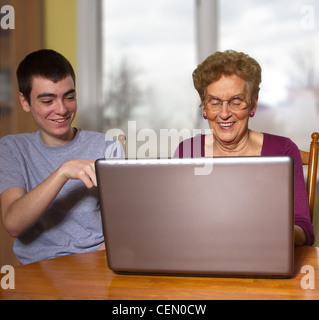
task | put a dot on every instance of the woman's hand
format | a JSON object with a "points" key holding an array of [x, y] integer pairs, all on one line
{"points": [[300, 237]]}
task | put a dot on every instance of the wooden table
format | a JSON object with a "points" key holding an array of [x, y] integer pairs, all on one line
{"points": [[86, 276]]}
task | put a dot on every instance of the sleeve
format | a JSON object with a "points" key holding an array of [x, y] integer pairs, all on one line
{"points": [[191, 148], [302, 215], [11, 174], [179, 151], [114, 148]]}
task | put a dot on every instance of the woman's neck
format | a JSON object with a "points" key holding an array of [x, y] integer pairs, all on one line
{"points": [[249, 145]]}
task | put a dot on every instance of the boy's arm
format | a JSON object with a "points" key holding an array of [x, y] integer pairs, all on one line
{"points": [[21, 210]]}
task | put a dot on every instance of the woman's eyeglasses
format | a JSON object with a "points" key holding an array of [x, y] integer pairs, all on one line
{"points": [[236, 103]]}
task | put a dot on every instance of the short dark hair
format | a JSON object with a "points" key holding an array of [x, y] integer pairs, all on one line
{"points": [[44, 63]]}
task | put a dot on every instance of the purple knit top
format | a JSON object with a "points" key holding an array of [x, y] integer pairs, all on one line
{"points": [[272, 146]]}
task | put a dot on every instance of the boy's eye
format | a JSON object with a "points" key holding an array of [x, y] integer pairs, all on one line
{"points": [[71, 97], [46, 101]]}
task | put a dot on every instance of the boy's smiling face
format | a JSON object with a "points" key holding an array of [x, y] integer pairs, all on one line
{"points": [[53, 106]]}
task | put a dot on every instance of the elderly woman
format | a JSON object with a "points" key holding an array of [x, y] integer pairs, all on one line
{"points": [[228, 86]]}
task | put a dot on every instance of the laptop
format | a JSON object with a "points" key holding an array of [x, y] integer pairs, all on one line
{"points": [[229, 216]]}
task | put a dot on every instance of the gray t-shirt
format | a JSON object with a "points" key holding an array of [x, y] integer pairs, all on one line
{"points": [[72, 223]]}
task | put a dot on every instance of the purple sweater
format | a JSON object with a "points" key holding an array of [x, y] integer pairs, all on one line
{"points": [[272, 146]]}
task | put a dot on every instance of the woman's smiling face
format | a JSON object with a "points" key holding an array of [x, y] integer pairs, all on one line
{"points": [[229, 127]]}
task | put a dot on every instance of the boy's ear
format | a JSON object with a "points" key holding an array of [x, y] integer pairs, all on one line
{"points": [[24, 103]]}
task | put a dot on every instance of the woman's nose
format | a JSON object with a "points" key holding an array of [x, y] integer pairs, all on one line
{"points": [[225, 112]]}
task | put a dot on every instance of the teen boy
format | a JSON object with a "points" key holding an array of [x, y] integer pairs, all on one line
{"points": [[49, 202]]}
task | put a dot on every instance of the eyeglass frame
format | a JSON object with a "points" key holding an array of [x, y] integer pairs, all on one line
{"points": [[238, 96]]}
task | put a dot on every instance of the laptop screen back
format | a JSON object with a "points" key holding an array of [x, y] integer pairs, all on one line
{"points": [[210, 216]]}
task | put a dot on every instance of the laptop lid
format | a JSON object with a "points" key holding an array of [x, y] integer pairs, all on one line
{"points": [[210, 216]]}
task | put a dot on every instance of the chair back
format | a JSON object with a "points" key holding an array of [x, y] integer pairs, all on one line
{"points": [[311, 160], [122, 139]]}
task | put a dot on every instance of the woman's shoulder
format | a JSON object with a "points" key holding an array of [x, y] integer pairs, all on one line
{"points": [[277, 145]]}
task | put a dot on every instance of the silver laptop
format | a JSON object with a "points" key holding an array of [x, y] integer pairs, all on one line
{"points": [[212, 216]]}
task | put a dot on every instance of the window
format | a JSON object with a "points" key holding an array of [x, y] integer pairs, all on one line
{"points": [[283, 37], [149, 54], [148, 58]]}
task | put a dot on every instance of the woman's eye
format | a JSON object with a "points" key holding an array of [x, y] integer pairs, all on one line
{"points": [[214, 102]]}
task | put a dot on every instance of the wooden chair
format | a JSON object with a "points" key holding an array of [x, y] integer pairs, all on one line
{"points": [[311, 159], [122, 139]]}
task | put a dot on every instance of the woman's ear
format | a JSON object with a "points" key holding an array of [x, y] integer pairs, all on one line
{"points": [[24, 103], [254, 105]]}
